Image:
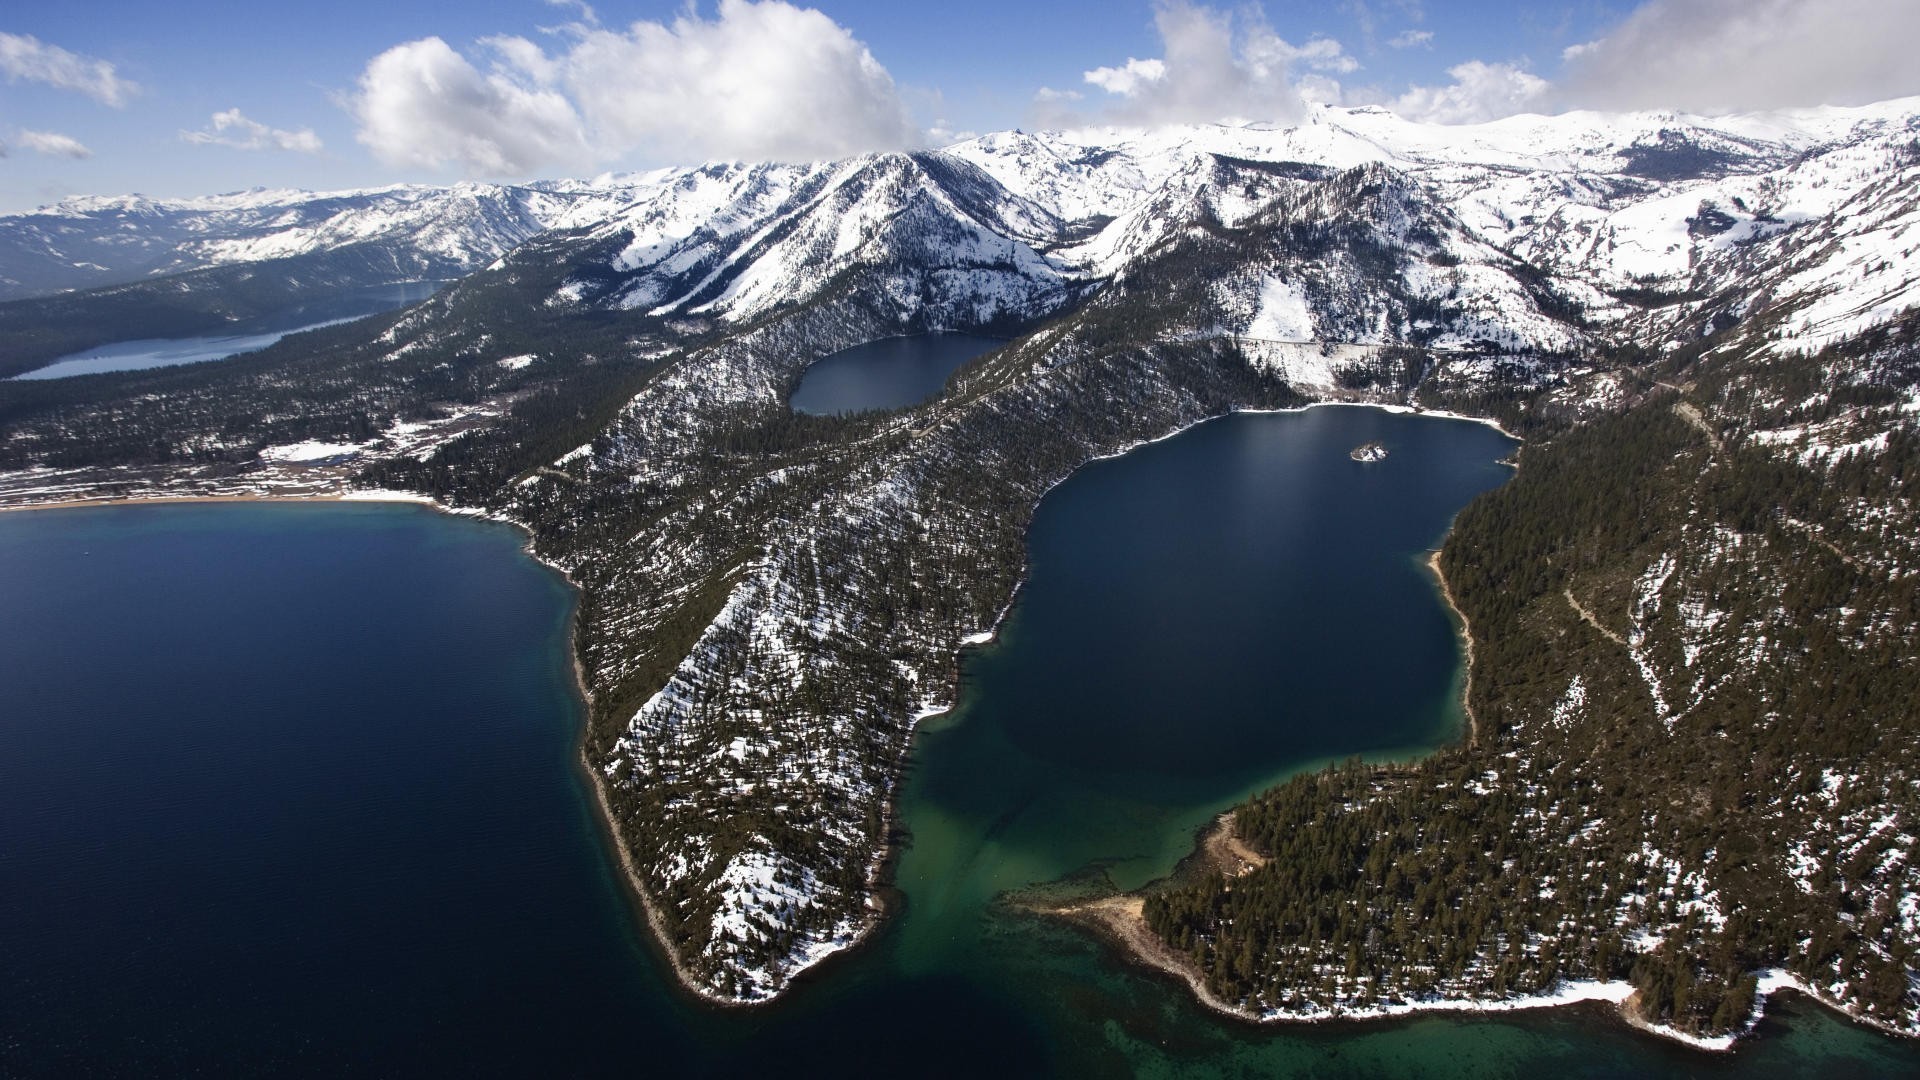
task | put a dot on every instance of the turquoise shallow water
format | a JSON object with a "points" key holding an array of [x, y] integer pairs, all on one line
{"points": [[291, 789]]}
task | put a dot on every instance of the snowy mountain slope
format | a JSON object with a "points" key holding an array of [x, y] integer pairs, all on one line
{"points": [[429, 232], [1370, 258], [1606, 204], [1829, 245], [734, 243]]}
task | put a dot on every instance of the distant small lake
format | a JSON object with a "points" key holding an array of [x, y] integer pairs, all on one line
{"points": [[891, 373], [250, 335]]}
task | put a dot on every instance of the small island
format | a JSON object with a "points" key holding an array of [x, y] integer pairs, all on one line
{"points": [[1368, 451]]}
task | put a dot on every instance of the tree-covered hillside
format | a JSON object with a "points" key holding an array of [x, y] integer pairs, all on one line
{"points": [[1698, 746]]}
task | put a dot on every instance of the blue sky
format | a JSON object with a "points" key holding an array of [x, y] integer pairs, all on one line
{"points": [[199, 97]]}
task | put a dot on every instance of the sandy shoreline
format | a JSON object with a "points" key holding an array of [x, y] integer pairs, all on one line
{"points": [[367, 495], [636, 888], [162, 500], [1121, 919], [603, 807], [1466, 645]]}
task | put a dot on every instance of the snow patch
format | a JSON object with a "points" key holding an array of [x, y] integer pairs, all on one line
{"points": [[1283, 314], [310, 452]]}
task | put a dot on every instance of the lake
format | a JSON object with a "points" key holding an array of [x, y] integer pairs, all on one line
{"points": [[291, 788], [247, 336], [891, 373]]}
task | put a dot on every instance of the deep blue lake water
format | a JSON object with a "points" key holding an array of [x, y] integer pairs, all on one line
{"points": [[891, 373], [244, 337], [291, 789]]}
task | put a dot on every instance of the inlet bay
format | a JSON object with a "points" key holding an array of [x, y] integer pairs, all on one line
{"points": [[293, 788]]}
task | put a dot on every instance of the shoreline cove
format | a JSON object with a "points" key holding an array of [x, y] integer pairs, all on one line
{"points": [[934, 704], [1118, 919]]}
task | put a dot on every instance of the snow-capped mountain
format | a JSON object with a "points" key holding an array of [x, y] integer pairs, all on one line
{"points": [[1535, 235], [1603, 203], [953, 240], [1637, 221], [421, 232]]}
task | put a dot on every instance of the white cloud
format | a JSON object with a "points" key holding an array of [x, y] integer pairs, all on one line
{"points": [[762, 80], [1707, 56], [25, 57], [1320, 89], [1127, 79], [1730, 55], [233, 128], [1479, 91], [421, 103], [1407, 39], [941, 133], [524, 58], [54, 144], [1217, 66], [1320, 54]]}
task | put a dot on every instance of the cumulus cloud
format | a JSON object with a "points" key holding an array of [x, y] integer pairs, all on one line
{"points": [[1730, 55], [1320, 54], [941, 133], [1706, 56], [1217, 66], [25, 57], [1407, 39], [761, 80], [1129, 78], [1479, 91], [54, 144], [235, 129], [421, 103]]}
